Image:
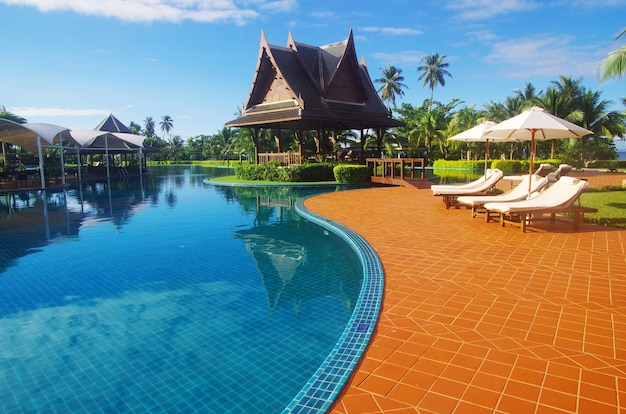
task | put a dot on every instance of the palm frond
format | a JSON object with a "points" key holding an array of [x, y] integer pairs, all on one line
{"points": [[614, 65]]}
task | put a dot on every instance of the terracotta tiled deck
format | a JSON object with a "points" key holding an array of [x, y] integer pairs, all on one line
{"points": [[480, 319]]}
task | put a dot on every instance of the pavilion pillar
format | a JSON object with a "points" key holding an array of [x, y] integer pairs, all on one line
{"points": [[300, 138], [379, 141], [277, 138], [62, 160], [362, 155], [254, 132], [318, 142], [41, 172]]}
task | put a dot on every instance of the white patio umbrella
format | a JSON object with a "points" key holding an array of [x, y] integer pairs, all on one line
{"points": [[535, 124], [477, 134]]}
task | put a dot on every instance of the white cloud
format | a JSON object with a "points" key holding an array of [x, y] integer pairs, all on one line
{"points": [[207, 11], [485, 9], [325, 15], [34, 112], [549, 56], [481, 36], [277, 6], [406, 57], [393, 31]]}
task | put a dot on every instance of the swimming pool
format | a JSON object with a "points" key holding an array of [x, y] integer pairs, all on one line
{"points": [[166, 294]]}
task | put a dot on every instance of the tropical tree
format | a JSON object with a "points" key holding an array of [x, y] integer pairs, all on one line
{"points": [[433, 73], [464, 119], [224, 142], [134, 128], [614, 65], [11, 117], [166, 124], [148, 127], [593, 114], [4, 114], [391, 85], [569, 91], [175, 145], [429, 127], [528, 96]]}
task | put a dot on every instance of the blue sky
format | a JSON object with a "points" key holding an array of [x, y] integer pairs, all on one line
{"points": [[71, 63]]}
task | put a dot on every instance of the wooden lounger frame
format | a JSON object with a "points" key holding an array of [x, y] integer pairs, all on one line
{"points": [[522, 218]]}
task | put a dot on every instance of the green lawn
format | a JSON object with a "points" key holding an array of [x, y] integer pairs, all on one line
{"points": [[611, 207]]}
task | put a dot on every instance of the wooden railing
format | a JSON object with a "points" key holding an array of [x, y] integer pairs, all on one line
{"points": [[287, 158], [395, 168]]}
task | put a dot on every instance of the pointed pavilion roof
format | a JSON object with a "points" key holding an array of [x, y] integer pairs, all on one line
{"points": [[112, 124], [307, 87]]}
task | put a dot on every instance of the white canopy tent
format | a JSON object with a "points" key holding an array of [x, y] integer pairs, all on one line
{"points": [[36, 136]]}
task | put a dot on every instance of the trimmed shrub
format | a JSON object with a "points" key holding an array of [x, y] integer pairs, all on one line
{"points": [[312, 172], [353, 174], [272, 171], [461, 164], [508, 166]]}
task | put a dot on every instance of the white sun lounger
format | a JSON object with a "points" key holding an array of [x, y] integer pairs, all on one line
{"points": [[519, 192], [559, 198], [483, 185]]}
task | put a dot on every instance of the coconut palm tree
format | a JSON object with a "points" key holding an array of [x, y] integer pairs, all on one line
{"points": [[11, 116], [614, 65], [391, 85], [166, 124], [433, 73], [569, 91], [174, 147], [528, 95], [148, 127], [592, 114], [134, 128]]}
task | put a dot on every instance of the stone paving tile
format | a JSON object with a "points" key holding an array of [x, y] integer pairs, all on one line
{"points": [[479, 318]]}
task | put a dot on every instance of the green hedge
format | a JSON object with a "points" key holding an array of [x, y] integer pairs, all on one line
{"points": [[353, 174], [272, 171], [312, 172], [275, 171], [507, 166], [460, 164]]}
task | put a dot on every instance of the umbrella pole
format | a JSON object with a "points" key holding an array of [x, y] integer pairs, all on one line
{"points": [[486, 156], [532, 156]]}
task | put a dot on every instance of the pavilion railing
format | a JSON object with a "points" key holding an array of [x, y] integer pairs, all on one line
{"points": [[287, 158], [396, 168]]}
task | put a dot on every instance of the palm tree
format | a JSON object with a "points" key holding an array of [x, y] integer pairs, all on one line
{"points": [[614, 65], [148, 127], [174, 147], [11, 116], [569, 91], [134, 128], [224, 141], [166, 124], [391, 85], [528, 96], [592, 115], [433, 72]]}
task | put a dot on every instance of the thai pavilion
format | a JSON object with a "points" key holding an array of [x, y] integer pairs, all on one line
{"points": [[307, 88]]}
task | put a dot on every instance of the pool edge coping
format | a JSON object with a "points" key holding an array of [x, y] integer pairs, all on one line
{"points": [[321, 390]]}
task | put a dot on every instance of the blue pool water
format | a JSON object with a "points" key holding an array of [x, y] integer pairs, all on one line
{"points": [[166, 295]]}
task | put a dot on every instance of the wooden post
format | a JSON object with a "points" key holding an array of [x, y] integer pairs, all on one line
{"points": [[255, 140]]}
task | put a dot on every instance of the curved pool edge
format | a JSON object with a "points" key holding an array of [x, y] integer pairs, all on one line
{"points": [[321, 390]]}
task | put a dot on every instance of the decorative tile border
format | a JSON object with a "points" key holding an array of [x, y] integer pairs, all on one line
{"points": [[320, 391]]}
